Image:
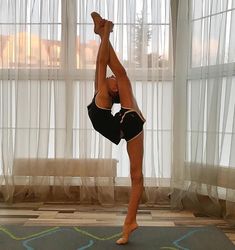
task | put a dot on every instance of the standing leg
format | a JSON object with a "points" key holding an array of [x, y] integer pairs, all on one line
{"points": [[135, 152]]}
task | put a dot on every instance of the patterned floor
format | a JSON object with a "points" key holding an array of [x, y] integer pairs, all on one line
{"points": [[72, 214], [80, 238]]}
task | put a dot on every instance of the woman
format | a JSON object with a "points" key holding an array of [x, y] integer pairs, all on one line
{"points": [[126, 124]]}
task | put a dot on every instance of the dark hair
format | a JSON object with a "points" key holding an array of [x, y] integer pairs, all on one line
{"points": [[116, 99]]}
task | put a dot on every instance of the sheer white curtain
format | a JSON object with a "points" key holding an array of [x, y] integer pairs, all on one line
{"points": [[204, 101], [36, 93], [47, 63]]}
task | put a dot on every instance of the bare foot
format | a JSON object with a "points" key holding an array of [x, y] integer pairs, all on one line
{"points": [[127, 230], [98, 22]]}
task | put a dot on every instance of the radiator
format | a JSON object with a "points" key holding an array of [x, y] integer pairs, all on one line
{"points": [[70, 167]]}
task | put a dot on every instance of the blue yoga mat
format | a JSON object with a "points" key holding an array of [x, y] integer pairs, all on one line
{"points": [[14, 237]]}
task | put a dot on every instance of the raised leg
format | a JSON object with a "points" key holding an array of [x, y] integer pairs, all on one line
{"points": [[127, 98], [114, 63], [99, 23]]}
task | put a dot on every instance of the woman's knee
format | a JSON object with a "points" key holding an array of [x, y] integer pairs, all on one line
{"points": [[137, 176]]}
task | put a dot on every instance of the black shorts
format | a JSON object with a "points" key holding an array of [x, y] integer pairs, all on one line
{"points": [[131, 123], [104, 122], [126, 124]]}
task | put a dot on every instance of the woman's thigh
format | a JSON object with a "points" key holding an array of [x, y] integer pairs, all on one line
{"points": [[135, 151]]}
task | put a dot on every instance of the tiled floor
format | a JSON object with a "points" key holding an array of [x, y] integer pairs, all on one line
{"points": [[71, 214]]}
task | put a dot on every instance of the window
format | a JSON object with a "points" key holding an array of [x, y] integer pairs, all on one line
{"points": [[211, 33], [44, 44], [138, 31], [30, 34], [211, 82]]}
